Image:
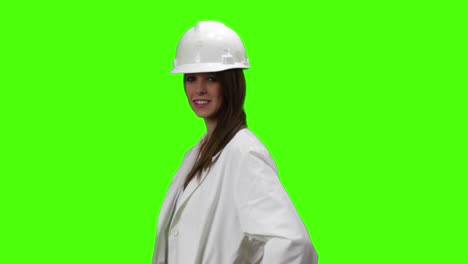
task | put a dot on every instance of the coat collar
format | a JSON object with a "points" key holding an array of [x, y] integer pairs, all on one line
{"points": [[192, 187], [173, 205], [172, 209], [168, 210]]}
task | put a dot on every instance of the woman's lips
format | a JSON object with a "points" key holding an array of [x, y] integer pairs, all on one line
{"points": [[201, 103]]}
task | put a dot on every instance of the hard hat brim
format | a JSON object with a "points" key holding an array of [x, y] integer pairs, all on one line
{"points": [[206, 67]]}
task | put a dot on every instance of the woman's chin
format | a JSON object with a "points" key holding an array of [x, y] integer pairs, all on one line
{"points": [[202, 114]]}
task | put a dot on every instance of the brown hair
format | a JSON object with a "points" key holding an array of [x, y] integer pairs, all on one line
{"points": [[230, 119]]}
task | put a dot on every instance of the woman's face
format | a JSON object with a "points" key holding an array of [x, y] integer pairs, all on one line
{"points": [[203, 91]]}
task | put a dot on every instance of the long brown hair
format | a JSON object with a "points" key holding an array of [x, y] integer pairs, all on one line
{"points": [[230, 119]]}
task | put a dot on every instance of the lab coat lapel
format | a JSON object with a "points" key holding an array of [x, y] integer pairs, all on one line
{"points": [[191, 188], [172, 196], [166, 210], [166, 213], [188, 192], [165, 216]]}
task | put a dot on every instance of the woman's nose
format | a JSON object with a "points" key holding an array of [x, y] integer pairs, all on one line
{"points": [[201, 88]]}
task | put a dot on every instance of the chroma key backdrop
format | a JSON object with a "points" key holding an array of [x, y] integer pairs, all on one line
{"points": [[362, 105]]}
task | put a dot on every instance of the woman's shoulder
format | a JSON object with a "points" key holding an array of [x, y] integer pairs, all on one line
{"points": [[245, 148], [244, 142]]}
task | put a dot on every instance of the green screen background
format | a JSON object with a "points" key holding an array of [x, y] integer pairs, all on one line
{"points": [[360, 103]]}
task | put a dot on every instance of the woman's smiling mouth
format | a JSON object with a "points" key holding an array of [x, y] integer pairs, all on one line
{"points": [[198, 103], [201, 102]]}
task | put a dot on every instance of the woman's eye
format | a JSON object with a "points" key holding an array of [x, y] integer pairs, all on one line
{"points": [[212, 79], [190, 79]]}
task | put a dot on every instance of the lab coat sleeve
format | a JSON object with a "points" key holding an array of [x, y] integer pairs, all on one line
{"points": [[266, 213]]}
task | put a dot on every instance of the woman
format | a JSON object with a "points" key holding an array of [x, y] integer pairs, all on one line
{"points": [[225, 204]]}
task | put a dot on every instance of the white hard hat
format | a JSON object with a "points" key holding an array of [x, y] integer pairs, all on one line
{"points": [[210, 46]]}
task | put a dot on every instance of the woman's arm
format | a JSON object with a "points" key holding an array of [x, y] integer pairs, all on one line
{"points": [[267, 214]]}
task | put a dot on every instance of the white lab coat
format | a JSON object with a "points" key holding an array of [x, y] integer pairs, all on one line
{"points": [[238, 212]]}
